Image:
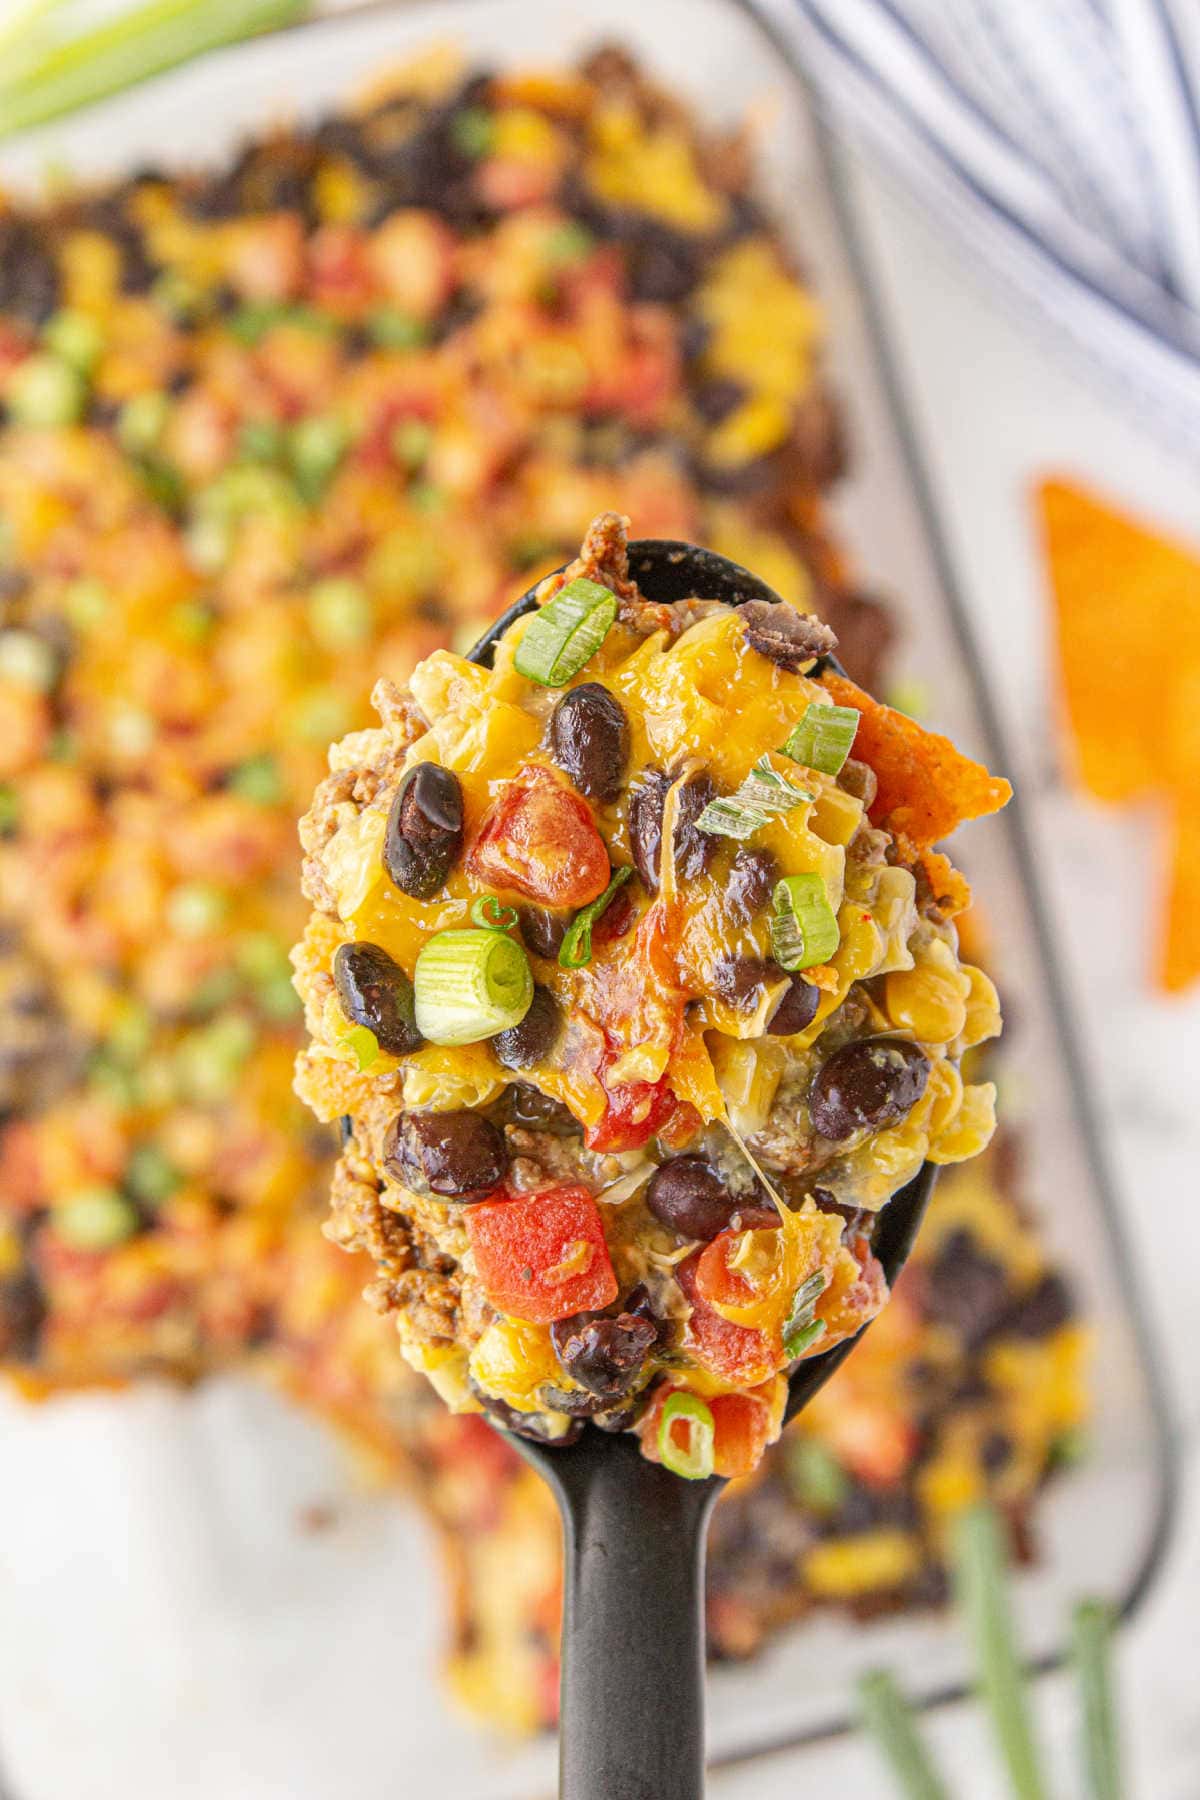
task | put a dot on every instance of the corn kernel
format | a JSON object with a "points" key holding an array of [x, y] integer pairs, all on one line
{"points": [[930, 999], [863, 1564]]}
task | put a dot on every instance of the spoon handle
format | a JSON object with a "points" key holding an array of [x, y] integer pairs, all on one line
{"points": [[633, 1631]]}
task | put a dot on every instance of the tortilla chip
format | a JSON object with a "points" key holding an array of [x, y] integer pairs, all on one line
{"points": [[1127, 612], [926, 785], [1179, 961], [948, 885]]}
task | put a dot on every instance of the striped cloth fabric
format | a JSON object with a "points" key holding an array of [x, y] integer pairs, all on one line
{"points": [[1060, 140]]}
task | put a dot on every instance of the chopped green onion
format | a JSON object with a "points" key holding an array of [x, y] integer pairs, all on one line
{"points": [[261, 440], [800, 1320], [141, 422], [392, 329], [472, 130], [76, 338], [805, 1338], [568, 243], [85, 602], [427, 497], [10, 810], [60, 76], [804, 927], [257, 779], [316, 446], [95, 1219], [339, 612], [210, 1058], [150, 1175], [695, 1460], [468, 985], [565, 632], [410, 442], [576, 948], [163, 483], [763, 794], [45, 391], [889, 1719], [251, 322], [824, 737], [816, 1476], [361, 1040], [196, 908], [983, 1601], [491, 915], [1091, 1649]]}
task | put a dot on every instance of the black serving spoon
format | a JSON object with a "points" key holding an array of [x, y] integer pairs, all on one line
{"points": [[632, 1725]]}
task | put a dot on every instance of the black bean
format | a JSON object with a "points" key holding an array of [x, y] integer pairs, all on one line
{"points": [[603, 1355], [752, 877], [740, 980], [589, 740], [689, 1197], [375, 992], [525, 1425], [23, 1312], [866, 1085], [542, 930], [1046, 1308], [797, 1010], [527, 1106], [995, 1450], [787, 637], [424, 831], [455, 1155], [694, 849], [532, 1040]]}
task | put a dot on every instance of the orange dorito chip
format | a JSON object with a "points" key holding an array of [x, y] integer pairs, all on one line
{"points": [[1179, 959], [1127, 615], [926, 786], [948, 885]]}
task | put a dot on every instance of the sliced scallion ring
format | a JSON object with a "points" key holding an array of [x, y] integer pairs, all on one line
{"points": [[804, 1339], [801, 1311], [576, 948], [804, 927], [491, 914], [468, 985], [824, 737], [763, 794], [797, 1330], [694, 1461], [568, 630]]}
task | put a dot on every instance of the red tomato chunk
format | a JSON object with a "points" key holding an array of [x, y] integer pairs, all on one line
{"points": [[633, 1115], [540, 839], [543, 1256]]}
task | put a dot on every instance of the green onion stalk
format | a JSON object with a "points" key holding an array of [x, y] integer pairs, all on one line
{"points": [[59, 73]]}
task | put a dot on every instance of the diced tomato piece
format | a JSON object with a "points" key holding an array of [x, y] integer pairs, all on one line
{"points": [[875, 1442], [540, 839], [743, 1431], [542, 1256], [735, 1353], [339, 269], [635, 1113], [264, 257], [716, 1282], [412, 258]]}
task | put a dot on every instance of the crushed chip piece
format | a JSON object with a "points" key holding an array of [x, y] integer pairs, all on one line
{"points": [[926, 786]]}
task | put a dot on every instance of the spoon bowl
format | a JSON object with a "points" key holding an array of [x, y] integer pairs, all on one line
{"points": [[632, 1711]]}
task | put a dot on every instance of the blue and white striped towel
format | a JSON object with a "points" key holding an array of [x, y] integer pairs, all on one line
{"points": [[1061, 140]]}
